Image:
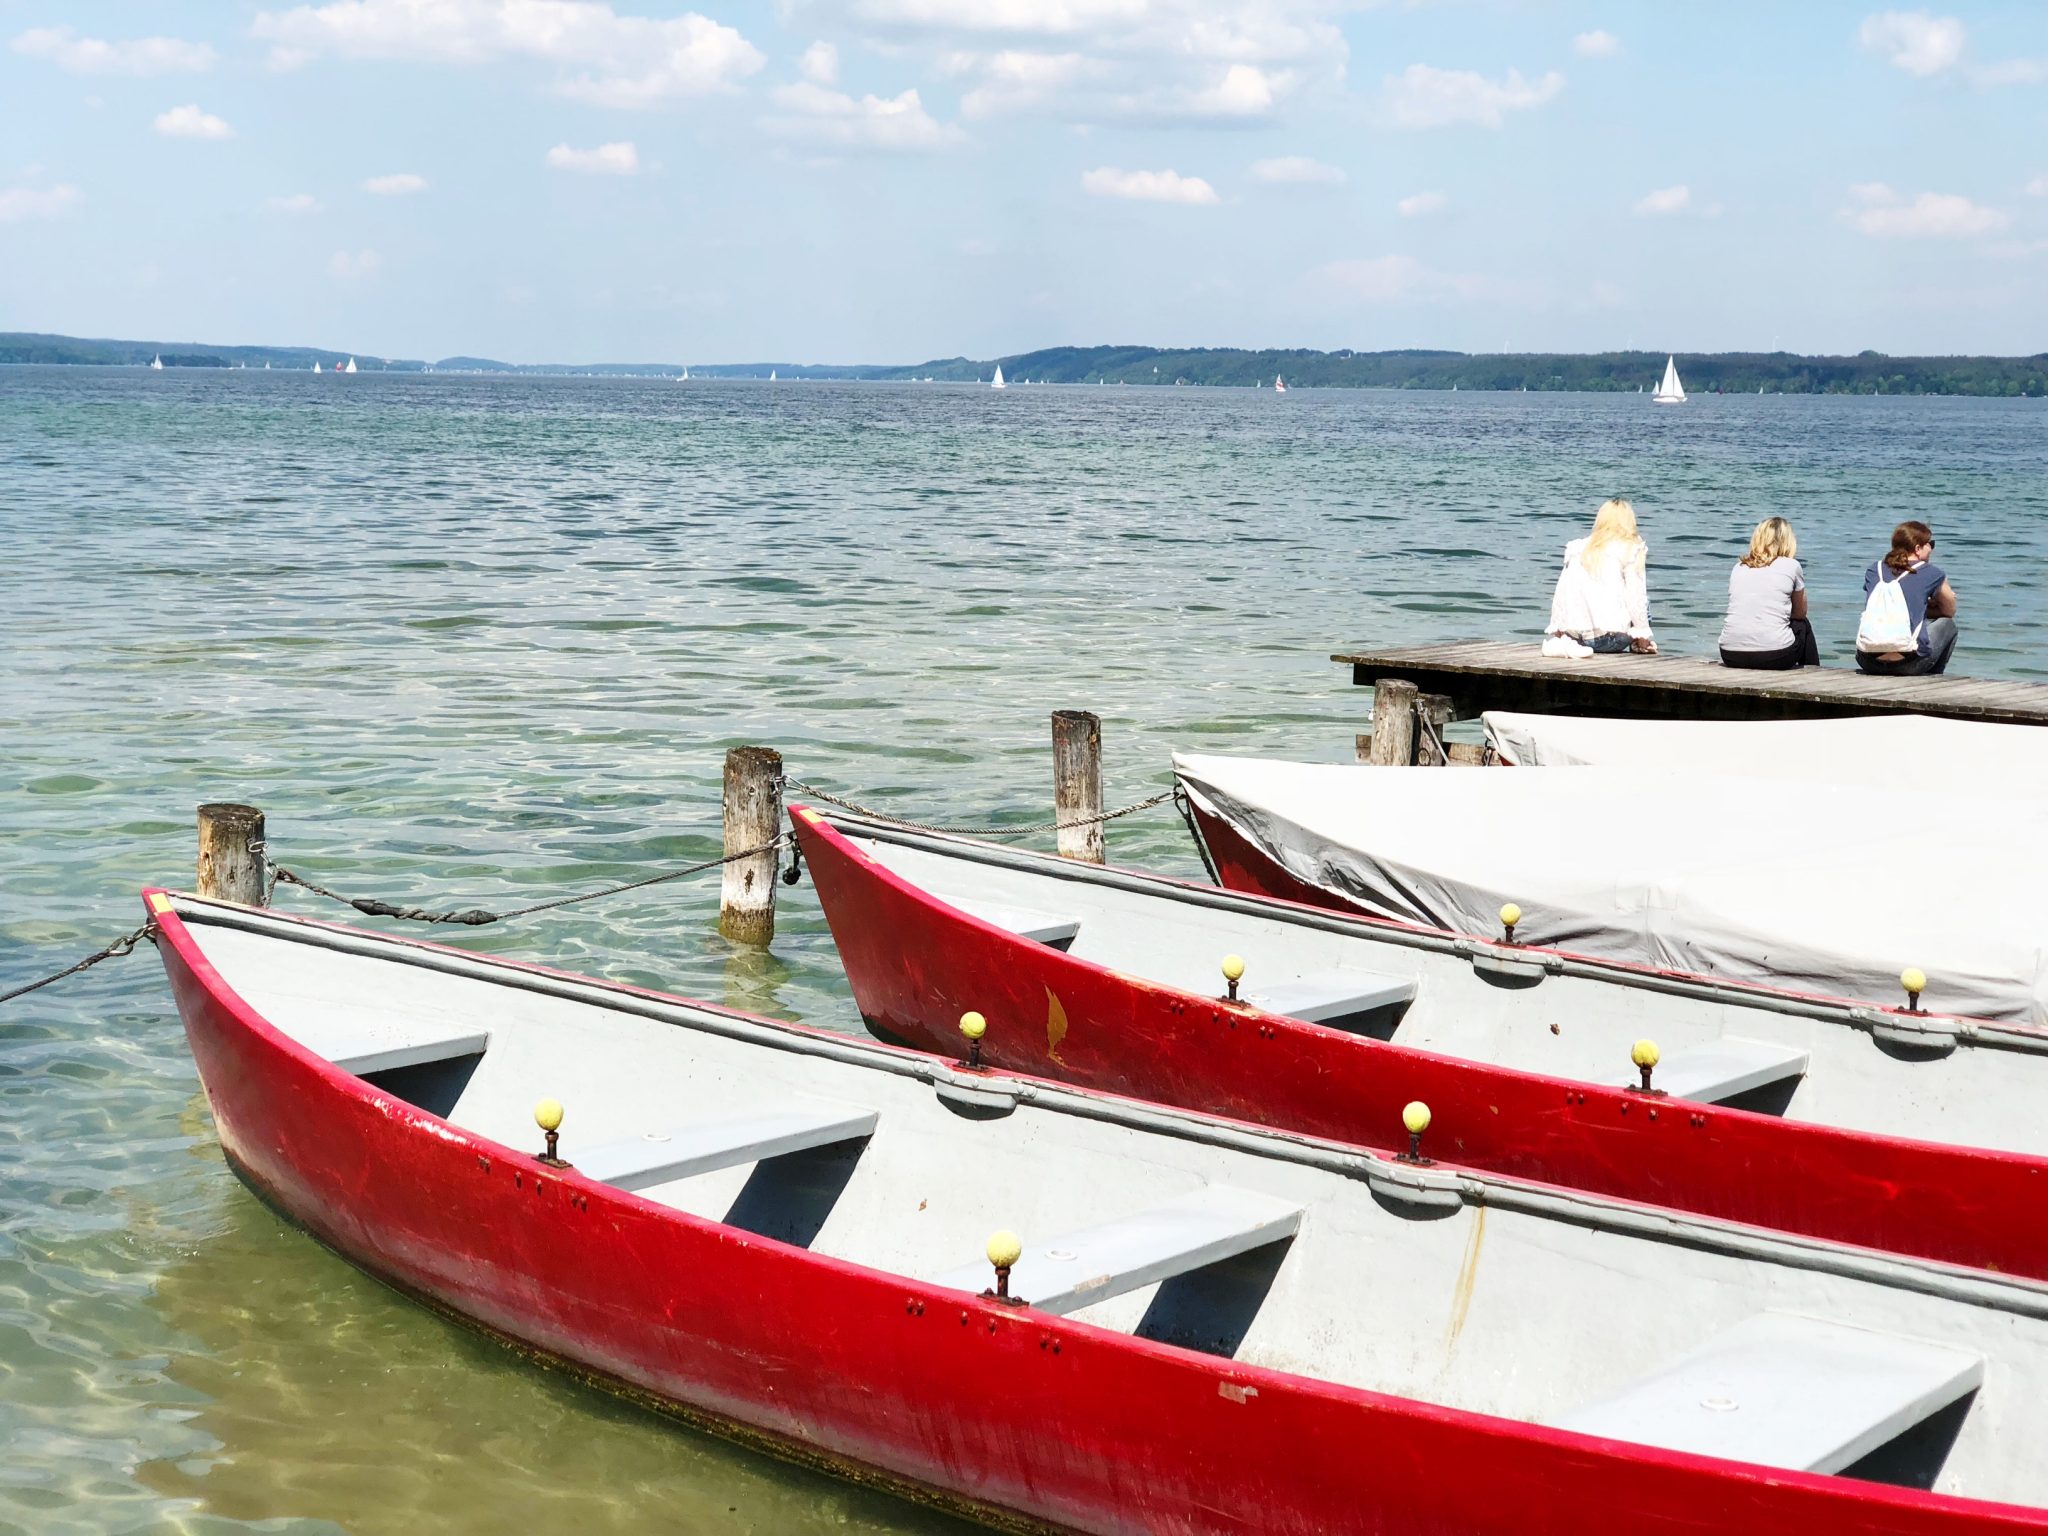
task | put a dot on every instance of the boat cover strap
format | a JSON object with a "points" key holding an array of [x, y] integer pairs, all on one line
{"points": [[1784, 1391], [1077, 1269]]}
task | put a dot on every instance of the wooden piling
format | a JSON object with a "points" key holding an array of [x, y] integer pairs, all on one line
{"points": [[1077, 783], [231, 853], [1393, 723], [753, 818]]}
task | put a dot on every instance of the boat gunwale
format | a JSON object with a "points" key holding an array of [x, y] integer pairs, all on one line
{"points": [[1854, 1013], [448, 1139]]}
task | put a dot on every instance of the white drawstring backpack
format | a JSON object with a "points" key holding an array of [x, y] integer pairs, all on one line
{"points": [[1886, 627]]}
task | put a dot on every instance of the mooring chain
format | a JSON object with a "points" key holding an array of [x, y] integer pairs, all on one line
{"points": [[120, 946], [925, 826], [476, 917]]}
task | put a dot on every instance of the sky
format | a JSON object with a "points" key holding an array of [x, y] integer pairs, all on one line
{"points": [[895, 180]]}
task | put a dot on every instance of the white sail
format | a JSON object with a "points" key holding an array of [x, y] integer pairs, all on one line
{"points": [[351, 368], [157, 363], [1670, 391], [1279, 385], [771, 376], [997, 381], [316, 367]]}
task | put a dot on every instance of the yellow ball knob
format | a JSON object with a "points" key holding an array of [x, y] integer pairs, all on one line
{"points": [[1510, 915], [1415, 1116], [973, 1025], [547, 1114], [1913, 979], [1233, 967], [1004, 1249], [1644, 1053]]}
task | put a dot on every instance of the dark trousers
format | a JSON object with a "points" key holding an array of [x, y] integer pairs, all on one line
{"points": [[1941, 637], [1804, 651]]}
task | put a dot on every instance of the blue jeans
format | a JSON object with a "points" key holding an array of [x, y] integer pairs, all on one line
{"points": [[1608, 645], [1941, 637]]}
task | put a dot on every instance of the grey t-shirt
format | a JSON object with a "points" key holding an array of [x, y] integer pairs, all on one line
{"points": [[1760, 605]]}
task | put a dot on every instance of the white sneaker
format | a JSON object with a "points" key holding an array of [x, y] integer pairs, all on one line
{"points": [[1566, 647]]}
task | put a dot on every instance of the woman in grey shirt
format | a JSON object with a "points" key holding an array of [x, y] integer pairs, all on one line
{"points": [[1766, 628]]}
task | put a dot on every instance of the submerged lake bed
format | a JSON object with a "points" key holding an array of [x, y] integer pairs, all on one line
{"points": [[483, 641]]}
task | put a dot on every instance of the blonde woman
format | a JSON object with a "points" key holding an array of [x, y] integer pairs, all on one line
{"points": [[1766, 629], [1602, 603]]}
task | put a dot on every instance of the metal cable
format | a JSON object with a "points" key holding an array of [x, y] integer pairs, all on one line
{"points": [[120, 946], [476, 917], [922, 826]]}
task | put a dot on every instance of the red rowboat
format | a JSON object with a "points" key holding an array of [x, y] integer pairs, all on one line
{"points": [[1091, 975], [775, 1230]]}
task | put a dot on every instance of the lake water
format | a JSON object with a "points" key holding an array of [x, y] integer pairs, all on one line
{"points": [[485, 641]]}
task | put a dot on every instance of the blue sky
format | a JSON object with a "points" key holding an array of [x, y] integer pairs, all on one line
{"points": [[890, 180]]}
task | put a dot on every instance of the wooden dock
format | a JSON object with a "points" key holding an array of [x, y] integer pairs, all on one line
{"points": [[1477, 675]]}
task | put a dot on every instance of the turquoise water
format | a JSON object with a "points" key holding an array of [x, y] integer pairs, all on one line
{"points": [[486, 641]]}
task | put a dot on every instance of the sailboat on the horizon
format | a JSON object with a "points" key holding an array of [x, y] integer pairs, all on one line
{"points": [[1279, 385], [316, 365], [997, 381], [1669, 391], [351, 368], [156, 363]]}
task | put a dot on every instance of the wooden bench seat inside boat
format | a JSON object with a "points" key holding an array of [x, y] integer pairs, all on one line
{"points": [[1721, 1070], [1785, 1391], [367, 1053], [1077, 1269], [1049, 928], [686, 1151], [1334, 997]]}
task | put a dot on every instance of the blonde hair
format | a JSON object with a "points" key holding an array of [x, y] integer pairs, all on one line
{"points": [[1614, 528], [1773, 540]]}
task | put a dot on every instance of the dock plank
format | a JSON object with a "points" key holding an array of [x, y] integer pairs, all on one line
{"points": [[1478, 675]]}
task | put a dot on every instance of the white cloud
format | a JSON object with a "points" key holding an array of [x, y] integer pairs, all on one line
{"points": [[1213, 31], [1390, 279], [1665, 200], [2012, 72], [1930, 216], [1918, 42], [1148, 186], [606, 160], [188, 122], [621, 61], [296, 202], [1418, 204], [820, 64], [1423, 97], [400, 184], [1296, 170], [830, 117], [1596, 45], [20, 204], [1016, 79], [129, 56], [1245, 90], [354, 268], [978, 247], [2038, 187]]}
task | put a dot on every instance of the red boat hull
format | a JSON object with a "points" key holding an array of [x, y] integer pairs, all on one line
{"points": [[916, 964], [1010, 1414]]}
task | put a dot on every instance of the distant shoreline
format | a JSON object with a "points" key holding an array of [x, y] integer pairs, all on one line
{"points": [[1603, 372]]}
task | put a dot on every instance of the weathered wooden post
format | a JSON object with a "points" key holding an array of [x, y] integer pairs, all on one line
{"points": [[753, 818], [1077, 783], [231, 853], [1393, 723]]}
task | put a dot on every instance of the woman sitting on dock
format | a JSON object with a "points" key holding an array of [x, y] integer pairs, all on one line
{"points": [[1602, 603], [1914, 632], [1766, 629]]}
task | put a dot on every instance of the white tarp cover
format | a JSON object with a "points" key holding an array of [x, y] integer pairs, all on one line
{"points": [[1832, 891], [1909, 752]]}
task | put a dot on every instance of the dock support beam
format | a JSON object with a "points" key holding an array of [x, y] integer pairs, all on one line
{"points": [[1393, 723], [1077, 783], [231, 853], [753, 818]]}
